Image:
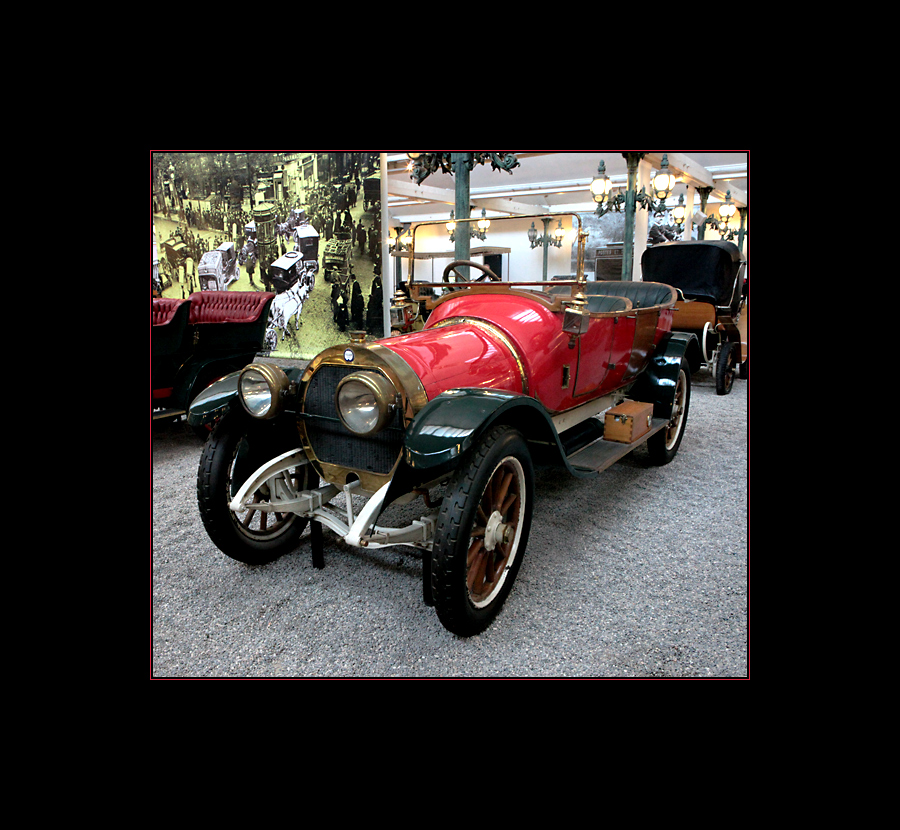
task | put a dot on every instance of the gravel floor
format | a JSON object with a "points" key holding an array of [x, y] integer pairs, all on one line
{"points": [[640, 572]]}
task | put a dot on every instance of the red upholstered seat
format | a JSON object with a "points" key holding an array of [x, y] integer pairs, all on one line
{"points": [[163, 310], [227, 306]]}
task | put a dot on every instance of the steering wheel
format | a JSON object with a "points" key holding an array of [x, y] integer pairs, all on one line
{"points": [[486, 272]]}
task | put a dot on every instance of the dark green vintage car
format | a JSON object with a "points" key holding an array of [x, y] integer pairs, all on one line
{"points": [[196, 341]]}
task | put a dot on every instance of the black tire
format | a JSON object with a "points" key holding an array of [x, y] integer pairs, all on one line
{"points": [[482, 532], [726, 368], [233, 451], [664, 445]]}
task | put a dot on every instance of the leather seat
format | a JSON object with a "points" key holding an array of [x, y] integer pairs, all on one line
{"points": [[227, 306]]}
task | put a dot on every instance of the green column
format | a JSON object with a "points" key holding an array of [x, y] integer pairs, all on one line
{"points": [[461, 173], [633, 159]]}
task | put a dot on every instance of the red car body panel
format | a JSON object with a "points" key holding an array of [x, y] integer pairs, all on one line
{"points": [[516, 343], [465, 355]]}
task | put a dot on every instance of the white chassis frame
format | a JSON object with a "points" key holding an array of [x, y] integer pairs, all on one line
{"points": [[357, 529]]}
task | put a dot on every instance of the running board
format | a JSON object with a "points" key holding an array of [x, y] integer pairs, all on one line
{"points": [[602, 454]]}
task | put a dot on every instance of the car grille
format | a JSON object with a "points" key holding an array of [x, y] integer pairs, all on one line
{"points": [[332, 442]]}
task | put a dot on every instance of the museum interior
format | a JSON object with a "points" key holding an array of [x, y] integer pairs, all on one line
{"points": [[450, 415]]}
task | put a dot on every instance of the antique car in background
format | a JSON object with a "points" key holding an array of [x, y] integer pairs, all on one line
{"points": [[709, 277], [196, 341], [218, 269], [176, 250], [452, 419], [371, 192]]}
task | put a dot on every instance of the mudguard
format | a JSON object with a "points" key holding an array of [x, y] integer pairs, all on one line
{"points": [[448, 425], [214, 401], [656, 384], [219, 397]]}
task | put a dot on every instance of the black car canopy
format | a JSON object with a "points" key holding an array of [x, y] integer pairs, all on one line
{"points": [[710, 271]]}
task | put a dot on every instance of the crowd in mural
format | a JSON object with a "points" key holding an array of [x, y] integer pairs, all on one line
{"points": [[346, 216]]}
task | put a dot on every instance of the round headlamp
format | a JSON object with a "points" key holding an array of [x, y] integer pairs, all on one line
{"points": [[365, 401], [261, 386]]}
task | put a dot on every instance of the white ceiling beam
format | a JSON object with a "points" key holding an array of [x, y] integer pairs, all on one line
{"points": [[427, 193], [686, 168], [410, 190], [694, 174]]}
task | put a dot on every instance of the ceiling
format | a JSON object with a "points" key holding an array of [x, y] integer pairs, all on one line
{"points": [[556, 182]]}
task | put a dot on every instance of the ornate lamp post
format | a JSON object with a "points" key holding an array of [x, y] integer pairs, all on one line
{"points": [[726, 210], [663, 183], [479, 231], [546, 239]]}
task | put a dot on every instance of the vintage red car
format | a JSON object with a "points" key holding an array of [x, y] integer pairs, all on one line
{"points": [[503, 376]]}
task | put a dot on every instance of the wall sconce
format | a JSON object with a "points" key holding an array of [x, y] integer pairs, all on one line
{"points": [[679, 212], [664, 181], [554, 239], [601, 185], [726, 210], [476, 231], [483, 224], [401, 240]]}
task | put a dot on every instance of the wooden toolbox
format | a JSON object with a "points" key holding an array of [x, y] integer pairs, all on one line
{"points": [[628, 421]]}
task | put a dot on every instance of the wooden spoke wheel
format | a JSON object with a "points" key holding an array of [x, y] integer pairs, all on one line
{"points": [[482, 532]]}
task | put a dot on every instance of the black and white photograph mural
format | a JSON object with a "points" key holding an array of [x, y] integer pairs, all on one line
{"points": [[304, 226]]}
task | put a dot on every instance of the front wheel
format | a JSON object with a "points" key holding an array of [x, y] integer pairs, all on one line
{"points": [[234, 451], [482, 532], [664, 445]]}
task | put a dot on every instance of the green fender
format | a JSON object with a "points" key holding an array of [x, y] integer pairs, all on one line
{"points": [[219, 397], [450, 424], [214, 401], [656, 384]]}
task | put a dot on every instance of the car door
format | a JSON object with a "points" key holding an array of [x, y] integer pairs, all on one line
{"points": [[594, 355]]}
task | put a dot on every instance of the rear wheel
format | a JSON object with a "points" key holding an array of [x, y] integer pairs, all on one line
{"points": [[235, 450], [664, 445], [482, 532], [726, 368]]}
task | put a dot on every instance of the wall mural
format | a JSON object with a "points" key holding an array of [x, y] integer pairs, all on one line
{"points": [[306, 226]]}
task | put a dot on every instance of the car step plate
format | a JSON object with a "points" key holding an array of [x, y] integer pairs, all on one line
{"points": [[602, 454]]}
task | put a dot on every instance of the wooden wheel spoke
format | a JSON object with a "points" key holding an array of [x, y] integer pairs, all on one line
{"points": [[248, 519], [501, 491], [475, 549], [498, 562], [475, 577]]}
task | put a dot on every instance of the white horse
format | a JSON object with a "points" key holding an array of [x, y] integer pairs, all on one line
{"points": [[286, 306]]}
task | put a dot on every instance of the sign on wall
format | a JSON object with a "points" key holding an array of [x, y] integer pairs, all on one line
{"points": [[306, 226]]}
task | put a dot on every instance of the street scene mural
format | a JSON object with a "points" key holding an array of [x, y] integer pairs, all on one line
{"points": [[306, 226]]}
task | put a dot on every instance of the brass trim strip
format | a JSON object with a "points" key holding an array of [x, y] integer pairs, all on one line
{"points": [[494, 331]]}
